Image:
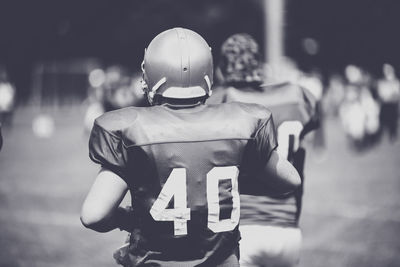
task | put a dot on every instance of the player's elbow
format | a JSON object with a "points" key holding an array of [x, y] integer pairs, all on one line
{"points": [[284, 177], [88, 220], [289, 181], [293, 177], [93, 218], [289, 176]]}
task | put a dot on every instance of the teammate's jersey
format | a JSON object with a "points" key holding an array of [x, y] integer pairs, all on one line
{"points": [[182, 168], [294, 114]]}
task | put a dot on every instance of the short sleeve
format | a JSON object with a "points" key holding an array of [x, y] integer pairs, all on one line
{"points": [[256, 158], [107, 149], [265, 140]]}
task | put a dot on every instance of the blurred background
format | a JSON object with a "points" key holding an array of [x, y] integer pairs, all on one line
{"points": [[63, 63]]}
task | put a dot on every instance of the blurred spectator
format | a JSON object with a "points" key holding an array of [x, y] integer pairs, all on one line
{"points": [[7, 99], [114, 76], [122, 89], [353, 74], [335, 94], [388, 89], [353, 118], [130, 92], [97, 79], [371, 109], [95, 98], [359, 111], [94, 110]]}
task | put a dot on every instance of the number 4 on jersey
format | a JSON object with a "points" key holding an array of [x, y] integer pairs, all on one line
{"points": [[175, 187]]}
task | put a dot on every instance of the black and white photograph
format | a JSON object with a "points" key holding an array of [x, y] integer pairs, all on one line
{"points": [[208, 133]]}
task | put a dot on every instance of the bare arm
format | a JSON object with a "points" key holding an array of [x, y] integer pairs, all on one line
{"points": [[100, 210], [282, 176]]}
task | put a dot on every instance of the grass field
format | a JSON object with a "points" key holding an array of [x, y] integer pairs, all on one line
{"points": [[351, 211]]}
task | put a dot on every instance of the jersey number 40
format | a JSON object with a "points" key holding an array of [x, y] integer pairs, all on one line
{"points": [[175, 187]]}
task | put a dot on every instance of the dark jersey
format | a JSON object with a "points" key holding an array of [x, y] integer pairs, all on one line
{"points": [[294, 114], [182, 167]]}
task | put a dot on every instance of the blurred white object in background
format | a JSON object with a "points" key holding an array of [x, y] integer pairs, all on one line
{"points": [[310, 46], [97, 77], [7, 95], [352, 116], [389, 87], [353, 74], [43, 126], [371, 110]]}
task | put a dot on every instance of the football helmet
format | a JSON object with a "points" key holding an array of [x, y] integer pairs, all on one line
{"points": [[177, 64]]}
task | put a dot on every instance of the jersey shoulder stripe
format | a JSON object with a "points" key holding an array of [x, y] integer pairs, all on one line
{"points": [[115, 121]]}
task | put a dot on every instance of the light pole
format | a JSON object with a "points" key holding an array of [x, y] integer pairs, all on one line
{"points": [[274, 32]]}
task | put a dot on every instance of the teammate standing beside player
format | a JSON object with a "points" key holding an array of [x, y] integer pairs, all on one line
{"points": [[269, 224], [182, 161]]}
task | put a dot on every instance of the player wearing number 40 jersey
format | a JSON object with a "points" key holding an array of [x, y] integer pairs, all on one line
{"points": [[182, 161], [269, 224]]}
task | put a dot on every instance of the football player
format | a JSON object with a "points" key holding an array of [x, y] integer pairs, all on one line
{"points": [[182, 161], [269, 224]]}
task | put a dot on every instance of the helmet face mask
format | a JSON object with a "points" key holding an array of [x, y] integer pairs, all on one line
{"points": [[177, 65]]}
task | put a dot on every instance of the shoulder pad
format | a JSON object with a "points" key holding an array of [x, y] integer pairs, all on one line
{"points": [[254, 110], [283, 93], [117, 119]]}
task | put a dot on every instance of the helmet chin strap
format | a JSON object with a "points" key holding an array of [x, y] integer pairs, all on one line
{"points": [[207, 79], [151, 94]]}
